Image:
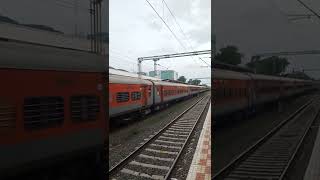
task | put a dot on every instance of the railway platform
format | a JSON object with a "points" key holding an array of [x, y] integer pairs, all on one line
{"points": [[313, 169], [200, 168]]}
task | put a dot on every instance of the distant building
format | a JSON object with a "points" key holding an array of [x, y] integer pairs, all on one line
{"points": [[166, 74], [153, 74], [169, 74]]}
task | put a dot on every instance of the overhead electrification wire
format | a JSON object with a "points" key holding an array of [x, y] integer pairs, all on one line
{"points": [[118, 52], [174, 35], [182, 32], [128, 57], [70, 5], [309, 8], [125, 59], [175, 20]]}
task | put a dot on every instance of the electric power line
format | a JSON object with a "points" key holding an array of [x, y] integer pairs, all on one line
{"points": [[123, 58], [119, 52], [182, 32], [126, 57], [309, 8], [175, 36], [70, 5]]}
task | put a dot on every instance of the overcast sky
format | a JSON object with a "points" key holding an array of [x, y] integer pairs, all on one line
{"points": [[262, 26], [136, 31], [62, 15]]}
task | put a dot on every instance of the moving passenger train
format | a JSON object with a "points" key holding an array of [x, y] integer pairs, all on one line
{"points": [[131, 94], [243, 91]]}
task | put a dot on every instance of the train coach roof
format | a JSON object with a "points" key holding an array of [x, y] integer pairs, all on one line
{"points": [[127, 80], [227, 74], [267, 77], [264, 77], [22, 55], [165, 83], [196, 86]]}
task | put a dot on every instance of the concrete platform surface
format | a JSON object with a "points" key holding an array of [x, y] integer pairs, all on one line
{"points": [[313, 169], [200, 168]]}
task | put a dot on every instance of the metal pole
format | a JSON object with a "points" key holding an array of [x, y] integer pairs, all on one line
{"points": [[97, 25], [139, 67], [94, 27], [91, 26], [76, 6], [311, 10], [155, 67], [97, 16], [100, 28]]}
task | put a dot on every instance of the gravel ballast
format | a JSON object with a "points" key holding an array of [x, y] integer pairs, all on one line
{"points": [[127, 139], [232, 139]]}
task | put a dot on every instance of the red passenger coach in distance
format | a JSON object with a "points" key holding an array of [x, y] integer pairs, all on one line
{"points": [[243, 91], [131, 94]]}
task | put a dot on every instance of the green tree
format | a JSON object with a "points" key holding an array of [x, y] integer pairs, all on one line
{"points": [[194, 81], [182, 79], [229, 55], [271, 66]]}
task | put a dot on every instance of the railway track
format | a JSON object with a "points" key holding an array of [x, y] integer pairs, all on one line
{"points": [[156, 158], [271, 156]]}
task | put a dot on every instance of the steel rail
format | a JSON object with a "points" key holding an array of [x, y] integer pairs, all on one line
{"points": [[224, 171], [298, 147], [118, 166], [186, 141]]}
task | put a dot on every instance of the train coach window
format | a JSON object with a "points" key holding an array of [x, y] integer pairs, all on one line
{"points": [[43, 112], [122, 96], [7, 116], [84, 108], [135, 96]]}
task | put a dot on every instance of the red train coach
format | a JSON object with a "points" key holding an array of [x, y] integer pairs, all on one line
{"points": [[51, 106], [131, 94], [231, 91], [243, 91]]}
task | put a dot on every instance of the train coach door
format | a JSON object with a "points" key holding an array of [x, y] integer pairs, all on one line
{"points": [[251, 95], [145, 94], [161, 94]]}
